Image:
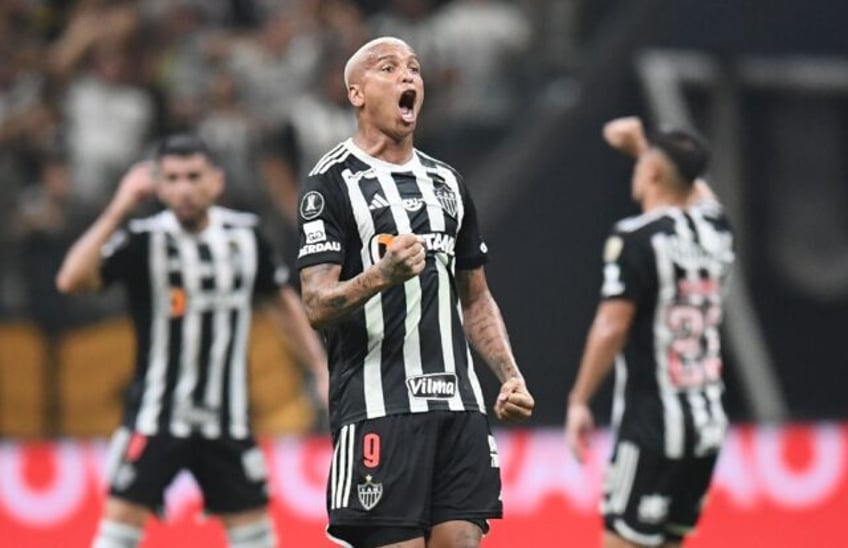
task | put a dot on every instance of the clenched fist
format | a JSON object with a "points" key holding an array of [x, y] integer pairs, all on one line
{"points": [[404, 258]]}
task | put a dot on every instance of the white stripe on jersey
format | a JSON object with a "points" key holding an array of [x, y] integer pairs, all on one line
{"points": [[181, 401], [713, 394], [436, 216], [435, 213], [673, 418], [412, 288], [700, 415], [328, 159], [220, 324], [157, 365], [238, 364], [717, 271], [375, 405]]}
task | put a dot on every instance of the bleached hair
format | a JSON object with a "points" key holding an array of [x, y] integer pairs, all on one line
{"points": [[362, 54]]}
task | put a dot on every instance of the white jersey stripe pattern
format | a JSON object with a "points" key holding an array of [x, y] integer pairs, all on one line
{"points": [[181, 401], [239, 427], [373, 381], [673, 418], [412, 289], [221, 321], [148, 415], [192, 296]]}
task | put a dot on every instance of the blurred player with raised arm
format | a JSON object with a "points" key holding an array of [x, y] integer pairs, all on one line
{"points": [[664, 277], [391, 264], [192, 273]]}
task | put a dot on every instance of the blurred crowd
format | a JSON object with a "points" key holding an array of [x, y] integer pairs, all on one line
{"points": [[86, 86]]}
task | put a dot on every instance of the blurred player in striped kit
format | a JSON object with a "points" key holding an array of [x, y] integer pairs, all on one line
{"points": [[191, 273], [664, 279]]}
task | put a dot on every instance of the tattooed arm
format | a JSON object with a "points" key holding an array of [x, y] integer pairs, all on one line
{"points": [[485, 329], [327, 299]]}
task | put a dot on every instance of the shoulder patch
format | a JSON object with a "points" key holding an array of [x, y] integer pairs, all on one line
{"points": [[311, 205]]}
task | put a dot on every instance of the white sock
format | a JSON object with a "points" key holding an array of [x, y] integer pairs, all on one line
{"points": [[258, 534], [114, 534]]}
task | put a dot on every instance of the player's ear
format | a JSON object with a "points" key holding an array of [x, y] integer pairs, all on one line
{"points": [[218, 182], [657, 169], [355, 95]]}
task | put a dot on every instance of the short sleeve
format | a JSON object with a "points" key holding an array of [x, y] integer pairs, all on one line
{"points": [[471, 250], [627, 267], [123, 256], [271, 273], [320, 222]]}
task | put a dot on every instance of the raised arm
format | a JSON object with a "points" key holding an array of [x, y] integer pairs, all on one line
{"points": [[627, 135], [80, 270], [327, 300], [486, 331], [606, 339]]}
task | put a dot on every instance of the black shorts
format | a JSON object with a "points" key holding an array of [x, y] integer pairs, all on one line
{"points": [[231, 473], [411, 472], [650, 499]]}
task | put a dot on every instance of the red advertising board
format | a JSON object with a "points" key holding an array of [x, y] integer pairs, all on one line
{"points": [[774, 486]]}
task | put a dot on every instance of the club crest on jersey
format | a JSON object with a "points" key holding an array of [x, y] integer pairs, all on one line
{"points": [[369, 493], [311, 205], [433, 386], [447, 199]]}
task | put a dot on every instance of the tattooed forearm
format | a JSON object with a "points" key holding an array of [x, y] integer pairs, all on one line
{"points": [[484, 325], [327, 300], [485, 329]]}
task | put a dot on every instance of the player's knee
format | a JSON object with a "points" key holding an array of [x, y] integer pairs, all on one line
{"points": [[257, 534], [114, 534]]}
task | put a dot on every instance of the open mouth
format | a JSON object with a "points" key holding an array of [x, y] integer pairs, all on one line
{"points": [[407, 105]]}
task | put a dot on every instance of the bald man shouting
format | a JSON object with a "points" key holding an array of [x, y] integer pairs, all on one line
{"points": [[389, 252]]}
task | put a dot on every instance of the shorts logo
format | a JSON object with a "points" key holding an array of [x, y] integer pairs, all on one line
{"points": [[311, 205], [314, 231], [653, 508], [434, 386], [369, 493], [253, 463]]}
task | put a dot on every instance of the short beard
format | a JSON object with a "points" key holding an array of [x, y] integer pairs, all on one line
{"points": [[191, 224]]}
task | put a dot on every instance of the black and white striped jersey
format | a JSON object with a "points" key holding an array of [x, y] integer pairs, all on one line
{"points": [[405, 350], [190, 297], [674, 264]]}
